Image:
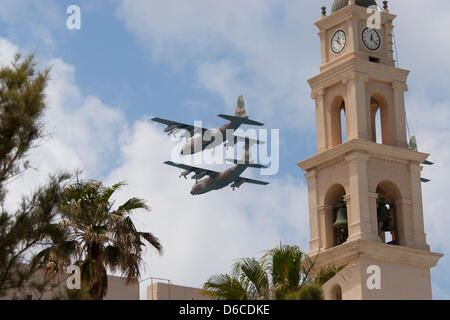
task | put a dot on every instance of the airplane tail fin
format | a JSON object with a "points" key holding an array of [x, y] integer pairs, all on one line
{"points": [[240, 115], [240, 108]]}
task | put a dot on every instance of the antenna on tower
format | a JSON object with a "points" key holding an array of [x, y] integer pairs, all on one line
{"points": [[395, 47]]}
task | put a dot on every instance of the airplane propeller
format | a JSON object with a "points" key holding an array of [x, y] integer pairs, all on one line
{"points": [[185, 174]]}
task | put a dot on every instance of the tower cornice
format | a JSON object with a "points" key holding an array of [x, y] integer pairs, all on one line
{"points": [[334, 19], [378, 251], [352, 69], [379, 151]]}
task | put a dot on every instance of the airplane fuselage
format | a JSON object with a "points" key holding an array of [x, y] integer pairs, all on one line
{"points": [[218, 182], [217, 137]]}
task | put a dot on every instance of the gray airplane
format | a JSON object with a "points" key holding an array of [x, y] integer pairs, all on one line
{"points": [[217, 136], [217, 180]]}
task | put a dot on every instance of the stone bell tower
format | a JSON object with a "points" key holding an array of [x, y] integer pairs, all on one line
{"points": [[365, 196]]}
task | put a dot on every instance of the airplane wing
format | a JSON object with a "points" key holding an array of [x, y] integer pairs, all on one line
{"points": [[173, 126], [248, 141], [242, 120], [240, 181], [199, 172]]}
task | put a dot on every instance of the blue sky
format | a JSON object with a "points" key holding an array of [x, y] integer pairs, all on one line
{"points": [[189, 61]]}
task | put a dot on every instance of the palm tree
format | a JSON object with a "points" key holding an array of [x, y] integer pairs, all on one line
{"points": [[283, 273], [97, 237]]}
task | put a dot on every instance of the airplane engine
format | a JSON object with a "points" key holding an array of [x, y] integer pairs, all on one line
{"points": [[199, 175], [237, 184]]}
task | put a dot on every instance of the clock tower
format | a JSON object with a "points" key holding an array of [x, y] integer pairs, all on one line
{"points": [[365, 197]]}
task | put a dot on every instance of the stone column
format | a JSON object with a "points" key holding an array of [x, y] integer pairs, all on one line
{"points": [[357, 108], [360, 225], [353, 30], [405, 222], [314, 243], [417, 208], [321, 127], [326, 226], [398, 127], [388, 28], [373, 214], [324, 45]]}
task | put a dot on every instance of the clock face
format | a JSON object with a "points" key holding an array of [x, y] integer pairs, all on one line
{"points": [[338, 41], [371, 38]]}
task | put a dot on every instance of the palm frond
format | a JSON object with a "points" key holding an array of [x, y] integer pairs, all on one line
{"points": [[132, 204], [224, 287], [251, 272], [328, 272], [154, 241]]}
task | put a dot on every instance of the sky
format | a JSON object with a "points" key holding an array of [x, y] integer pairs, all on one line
{"points": [[190, 60]]}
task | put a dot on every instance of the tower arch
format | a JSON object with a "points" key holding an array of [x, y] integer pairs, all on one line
{"points": [[336, 292], [366, 176], [336, 211], [338, 117], [378, 103], [388, 199]]}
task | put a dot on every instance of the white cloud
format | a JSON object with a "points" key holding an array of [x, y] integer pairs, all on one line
{"points": [[81, 132], [423, 40], [266, 60], [201, 235], [272, 50], [32, 21], [7, 52], [204, 235], [431, 124]]}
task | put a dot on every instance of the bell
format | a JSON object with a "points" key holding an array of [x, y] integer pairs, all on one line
{"points": [[341, 218], [384, 217]]}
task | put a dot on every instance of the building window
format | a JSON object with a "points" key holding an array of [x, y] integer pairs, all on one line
{"points": [[340, 225], [379, 120], [336, 292], [388, 195], [336, 220], [338, 122]]}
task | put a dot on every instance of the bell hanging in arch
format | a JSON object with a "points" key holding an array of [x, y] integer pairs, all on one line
{"points": [[384, 217], [341, 218]]}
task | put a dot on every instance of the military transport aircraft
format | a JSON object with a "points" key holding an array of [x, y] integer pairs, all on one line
{"points": [[216, 136], [218, 180]]}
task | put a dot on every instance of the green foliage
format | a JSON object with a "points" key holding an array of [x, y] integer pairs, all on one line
{"points": [[310, 292], [23, 232], [286, 268], [225, 287], [21, 107], [62, 223], [307, 292], [327, 273], [98, 237], [283, 273]]}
